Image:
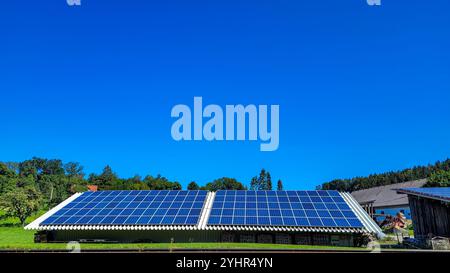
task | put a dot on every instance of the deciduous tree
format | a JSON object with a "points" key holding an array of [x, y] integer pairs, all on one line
{"points": [[440, 178], [21, 203], [193, 186]]}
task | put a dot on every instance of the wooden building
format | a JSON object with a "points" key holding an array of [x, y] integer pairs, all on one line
{"points": [[430, 211]]}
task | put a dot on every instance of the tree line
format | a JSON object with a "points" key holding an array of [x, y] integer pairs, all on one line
{"points": [[437, 175]]}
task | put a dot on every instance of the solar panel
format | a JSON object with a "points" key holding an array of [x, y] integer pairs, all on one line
{"points": [[282, 208], [440, 193], [131, 208]]}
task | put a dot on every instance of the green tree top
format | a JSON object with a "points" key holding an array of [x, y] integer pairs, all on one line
{"points": [[279, 185], [193, 186], [224, 183], [21, 203], [440, 178]]}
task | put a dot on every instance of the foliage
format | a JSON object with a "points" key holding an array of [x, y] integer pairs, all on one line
{"points": [[53, 181], [279, 185], [268, 182], [193, 186], [106, 180], [54, 188], [374, 180], [440, 178], [21, 203], [261, 182], [74, 169], [161, 183], [7, 179], [224, 183]]}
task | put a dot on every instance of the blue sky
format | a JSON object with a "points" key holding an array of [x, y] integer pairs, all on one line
{"points": [[361, 89]]}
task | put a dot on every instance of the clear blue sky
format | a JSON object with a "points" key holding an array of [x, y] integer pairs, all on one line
{"points": [[361, 89]]}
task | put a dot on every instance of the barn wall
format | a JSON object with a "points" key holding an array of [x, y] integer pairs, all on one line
{"points": [[429, 217], [133, 236], [127, 236]]}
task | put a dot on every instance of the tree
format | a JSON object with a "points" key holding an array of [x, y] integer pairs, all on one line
{"points": [[28, 167], [268, 182], [139, 186], [21, 203], [161, 183], [261, 182], [75, 176], [53, 188], [13, 166], [279, 185], [8, 179], [193, 186], [7, 184], [5, 171], [73, 169], [254, 183], [52, 167], [387, 178], [26, 181], [439, 178], [175, 186], [224, 183], [106, 180]]}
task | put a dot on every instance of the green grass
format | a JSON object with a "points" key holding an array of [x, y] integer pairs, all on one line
{"points": [[14, 222], [16, 238]]}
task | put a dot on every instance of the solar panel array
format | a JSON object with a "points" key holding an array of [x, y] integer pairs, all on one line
{"points": [[282, 208], [131, 208], [244, 208], [442, 193]]}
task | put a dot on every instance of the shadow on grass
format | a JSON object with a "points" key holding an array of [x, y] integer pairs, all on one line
{"points": [[8, 221], [10, 224]]}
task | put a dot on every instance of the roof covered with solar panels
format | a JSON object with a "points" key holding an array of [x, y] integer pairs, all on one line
{"points": [[321, 211], [442, 193]]}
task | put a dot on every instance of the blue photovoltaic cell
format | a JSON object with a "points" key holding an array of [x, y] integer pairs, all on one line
{"points": [[282, 208], [131, 208], [440, 193]]}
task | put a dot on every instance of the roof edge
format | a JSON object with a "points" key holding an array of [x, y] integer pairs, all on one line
{"points": [[366, 220], [208, 227], [35, 224], [421, 194]]}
